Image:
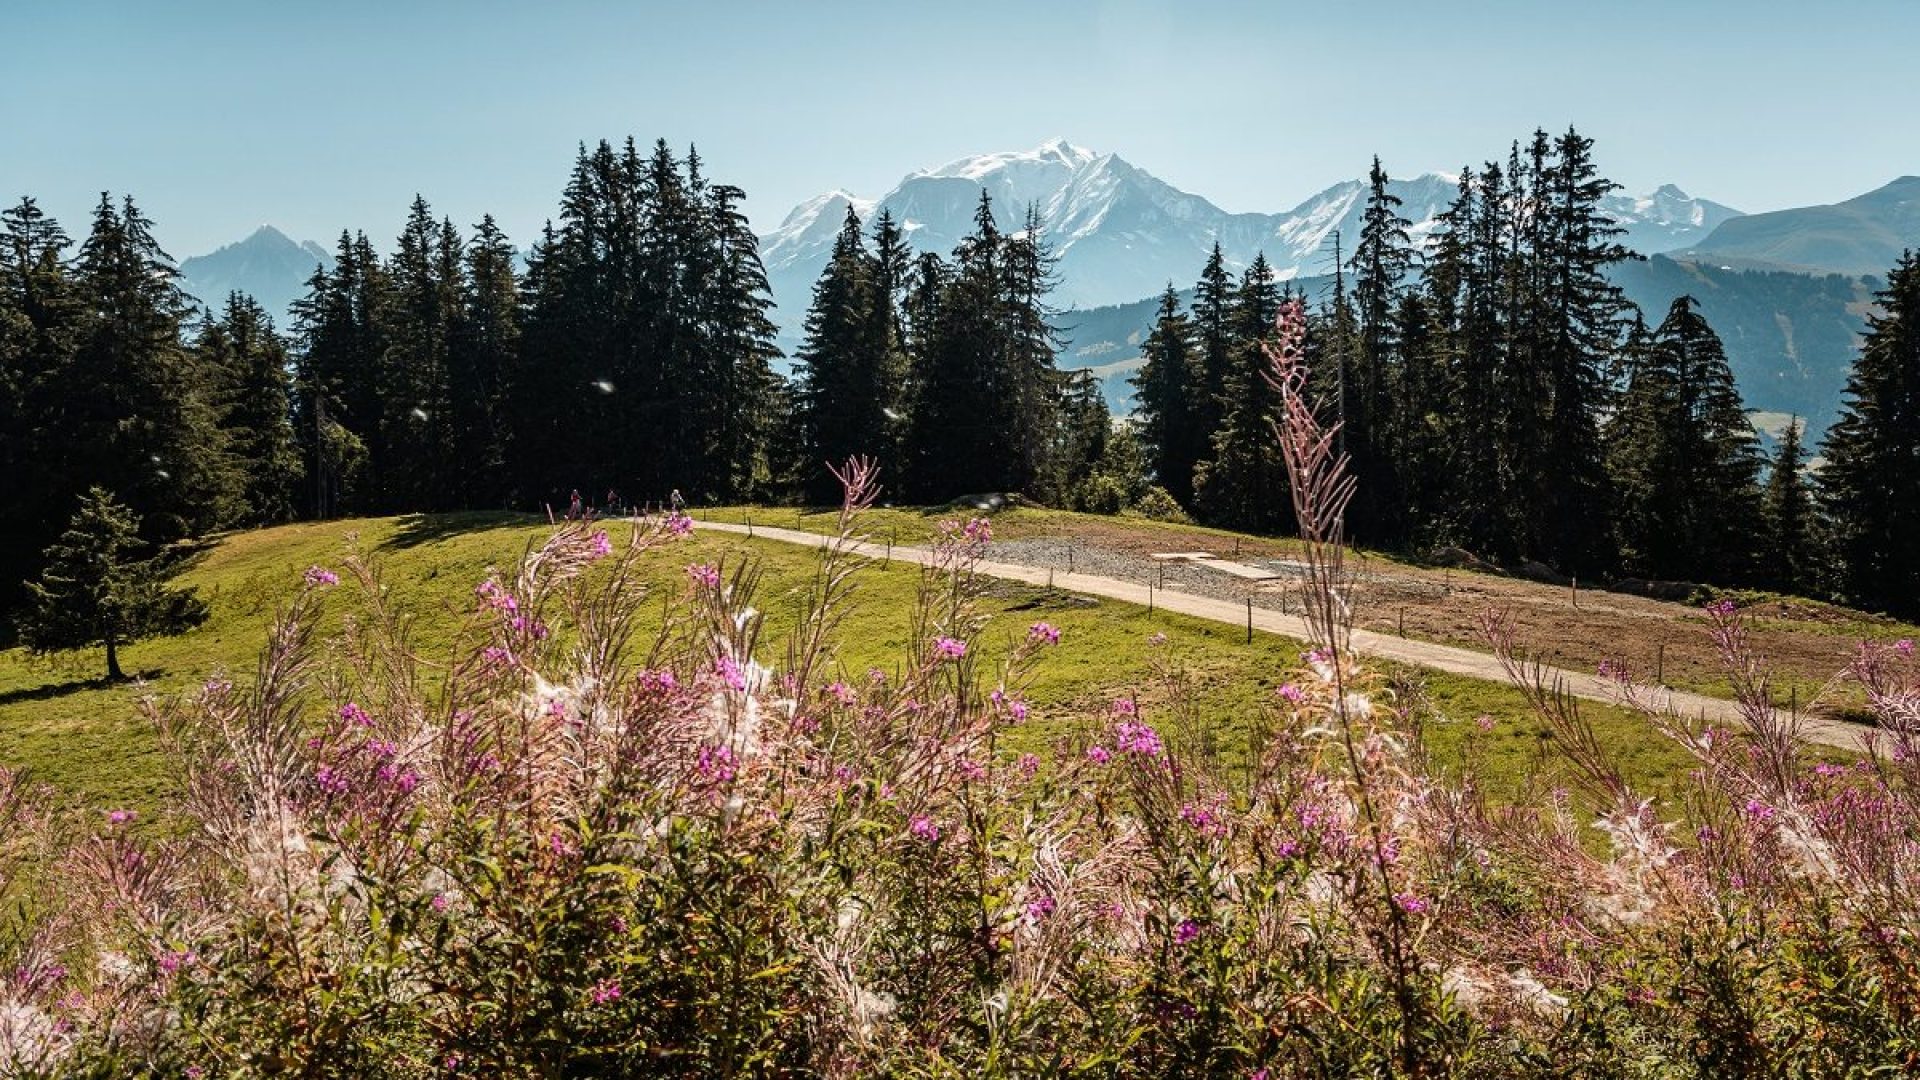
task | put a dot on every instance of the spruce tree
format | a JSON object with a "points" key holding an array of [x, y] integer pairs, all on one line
{"points": [[254, 401], [486, 340], [842, 390], [1685, 458], [93, 592], [1381, 261], [1243, 483], [40, 315], [1168, 409], [138, 414], [1212, 341], [1869, 486], [1790, 559]]}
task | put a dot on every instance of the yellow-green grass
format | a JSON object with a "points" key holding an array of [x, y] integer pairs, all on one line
{"points": [[90, 742]]}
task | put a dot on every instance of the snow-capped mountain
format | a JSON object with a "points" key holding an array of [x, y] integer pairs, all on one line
{"points": [[1121, 233], [268, 265]]}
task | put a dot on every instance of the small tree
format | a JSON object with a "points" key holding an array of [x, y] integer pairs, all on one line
{"points": [[93, 593]]}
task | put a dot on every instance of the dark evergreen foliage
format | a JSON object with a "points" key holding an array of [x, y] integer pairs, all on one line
{"points": [[1870, 485]]}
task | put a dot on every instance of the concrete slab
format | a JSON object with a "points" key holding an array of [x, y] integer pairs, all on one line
{"points": [[1239, 570], [1180, 556]]}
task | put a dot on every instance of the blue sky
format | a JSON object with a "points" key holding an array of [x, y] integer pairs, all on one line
{"points": [[315, 116]]}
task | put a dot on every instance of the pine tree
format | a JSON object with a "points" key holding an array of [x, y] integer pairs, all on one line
{"points": [[92, 592], [342, 329], [1167, 391], [414, 454], [1789, 551], [1381, 261], [1869, 486]]}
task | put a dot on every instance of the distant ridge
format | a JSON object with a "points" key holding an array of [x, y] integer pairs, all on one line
{"points": [[268, 265]]}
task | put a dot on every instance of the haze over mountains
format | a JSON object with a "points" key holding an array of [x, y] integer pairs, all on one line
{"points": [[1121, 235]]}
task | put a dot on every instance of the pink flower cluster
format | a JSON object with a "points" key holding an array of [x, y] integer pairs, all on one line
{"points": [[730, 673], [922, 827], [320, 577], [947, 648], [703, 575], [1044, 631], [1134, 737]]}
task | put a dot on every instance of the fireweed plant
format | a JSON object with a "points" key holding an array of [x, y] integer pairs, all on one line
{"points": [[588, 841]]}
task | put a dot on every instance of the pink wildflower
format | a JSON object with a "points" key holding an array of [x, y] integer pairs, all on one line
{"points": [[679, 525], [1125, 707], [605, 990], [1759, 811], [1186, 932], [330, 781], [1904, 647], [840, 692], [1044, 631], [947, 648], [729, 671], [923, 828], [441, 903], [320, 577], [1290, 693], [703, 575], [1410, 903], [1099, 755], [717, 763], [1040, 907], [1029, 765], [119, 817], [1136, 738], [601, 545]]}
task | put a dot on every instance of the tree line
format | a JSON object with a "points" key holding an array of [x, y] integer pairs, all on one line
{"points": [[1497, 392]]}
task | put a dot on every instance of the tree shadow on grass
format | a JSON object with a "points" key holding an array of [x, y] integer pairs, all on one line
{"points": [[418, 529], [52, 691]]}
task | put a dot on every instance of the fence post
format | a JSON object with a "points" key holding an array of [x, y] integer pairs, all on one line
{"points": [[1249, 620]]}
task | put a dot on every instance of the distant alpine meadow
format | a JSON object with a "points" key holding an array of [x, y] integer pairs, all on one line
{"points": [[602, 828]]}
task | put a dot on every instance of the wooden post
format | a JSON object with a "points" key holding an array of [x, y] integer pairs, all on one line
{"points": [[1403, 622], [1249, 620], [1160, 573], [1069, 558], [1660, 664], [1149, 597], [749, 526], [889, 559], [1793, 697], [1049, 579]]}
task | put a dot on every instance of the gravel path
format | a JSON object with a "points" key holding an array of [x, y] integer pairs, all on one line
{"points": [[1205, 594]]}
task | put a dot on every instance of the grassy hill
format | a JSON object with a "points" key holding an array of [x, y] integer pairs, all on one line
{"points": [[90, 741]]}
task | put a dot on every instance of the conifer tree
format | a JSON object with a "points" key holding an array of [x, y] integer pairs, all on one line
{"points": [[486, 339], [1243, 484], [137, 410], [93, 592], [843, 375], [253, 398], [39, 321], [1381, 261], [1168, 410], [1685, 458], [1790, 559], [1869, 486], [1212, 341]]}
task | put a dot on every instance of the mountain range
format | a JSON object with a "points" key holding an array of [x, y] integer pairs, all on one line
{"points": [[1121, 233]]}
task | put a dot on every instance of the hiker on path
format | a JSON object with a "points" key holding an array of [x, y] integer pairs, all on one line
{"points": [[675, 502], [573, 507]]}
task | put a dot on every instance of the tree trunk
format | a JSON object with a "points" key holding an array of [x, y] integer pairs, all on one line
{"points": [[114, 674]]}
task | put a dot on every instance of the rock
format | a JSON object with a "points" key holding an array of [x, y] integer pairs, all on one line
{"points": [[1534, 570], [1460, 559]]}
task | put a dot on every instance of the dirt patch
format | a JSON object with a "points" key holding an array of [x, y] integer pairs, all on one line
{"points": [[1807, 643]]}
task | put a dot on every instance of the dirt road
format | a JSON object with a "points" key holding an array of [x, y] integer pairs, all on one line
{"points": [[1448, 658]]}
